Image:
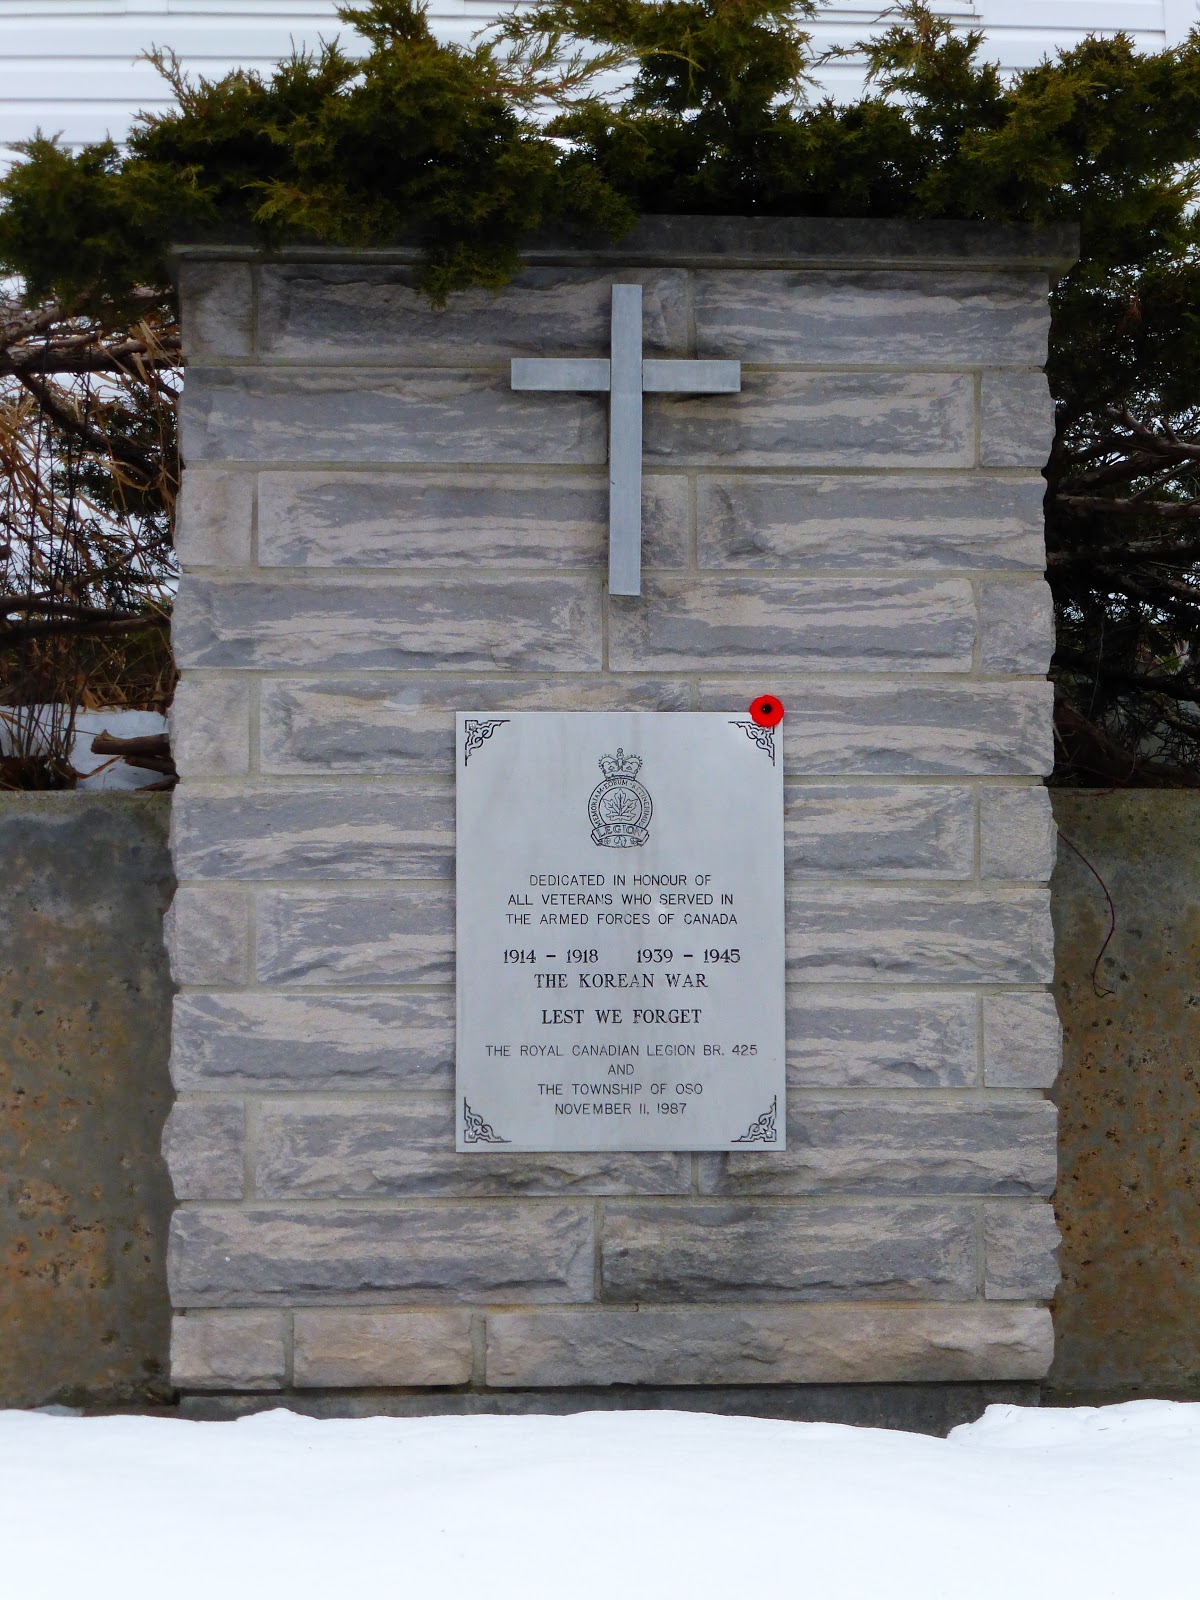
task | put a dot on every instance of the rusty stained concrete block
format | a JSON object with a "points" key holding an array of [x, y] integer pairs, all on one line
{"points": [[1127, 1313], [84, 1027]]}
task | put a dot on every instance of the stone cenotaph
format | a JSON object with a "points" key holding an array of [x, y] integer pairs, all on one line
{"points": [[557, 1026]]}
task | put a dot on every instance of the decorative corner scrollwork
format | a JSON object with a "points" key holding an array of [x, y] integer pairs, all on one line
{"points": [[476, 732], [476, 1130], [762, 1130], [764, 738]]}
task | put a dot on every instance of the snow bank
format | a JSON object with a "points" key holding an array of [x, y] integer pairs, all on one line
{"points": [[623, 1505], [100, 773]]}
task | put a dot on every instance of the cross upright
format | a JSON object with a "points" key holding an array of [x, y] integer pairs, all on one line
{"points": [[625, 377]]}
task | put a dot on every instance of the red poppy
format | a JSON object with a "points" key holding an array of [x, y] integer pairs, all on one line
{"points": [[766, 710]]}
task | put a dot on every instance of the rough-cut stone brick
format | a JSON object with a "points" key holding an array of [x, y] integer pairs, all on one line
{"points": [[768, 1344], [372, 313], [482, 624], [508, 520], [853, 624], [379, 1148], [431, 1252], [864, 935], [892, 318], [1017, 420], [816, 419], [1022, 1041], [383, 726], [394, 935], [381, 1349], [858, 520], [216, 301], [1017, 833], [307, 414], [845, 1039], [228, 1350], [915, 729], [214, 518], [204, 1146], [878, 831], [207, 934], [424, 541], [918, 1146], [315, 1042], [1019, 1245], [730, 1250], [1016, 626], [210, 726], [342, 831]]}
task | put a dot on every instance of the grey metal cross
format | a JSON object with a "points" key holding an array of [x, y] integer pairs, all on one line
{"points": [[625, 378]]}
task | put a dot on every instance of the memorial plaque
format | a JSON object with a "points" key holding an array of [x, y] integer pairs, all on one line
{"points": [[620, 932]]}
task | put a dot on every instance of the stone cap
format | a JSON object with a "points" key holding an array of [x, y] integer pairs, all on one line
{"points": [[796, 242]]}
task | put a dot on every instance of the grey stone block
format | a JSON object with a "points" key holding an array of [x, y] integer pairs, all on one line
{"points": [[1017, 420], [210, 726], [207, 934], [916, 1146], [385, 725], [1017, 833], [878, 831], [337, 831], [1016, 627], [1020, 1244], [381, 1147], [847, 1039], [818, 419], [369, 312], [861, 520], [204, 1146], [381, 1349], [214, 518], [395, 935], [315, 1042], [731, 1250], [1022, 1041], [854, 624], [454, 415], [866, 935], [768, 1344], [510, 520], [228, 1350], [216, 300], [915, 729], [488, 624], [433, 1252], [895, 318]]}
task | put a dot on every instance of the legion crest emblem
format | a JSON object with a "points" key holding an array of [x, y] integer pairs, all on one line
{"points": [[620, 808]]}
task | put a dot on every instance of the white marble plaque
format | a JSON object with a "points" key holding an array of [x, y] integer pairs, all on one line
{"points": [[620, 932]]}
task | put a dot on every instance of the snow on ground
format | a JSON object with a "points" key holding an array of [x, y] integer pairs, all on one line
{"points": [[99, 773], [625, 1505]]}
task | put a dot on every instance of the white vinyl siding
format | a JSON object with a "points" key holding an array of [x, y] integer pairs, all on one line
{"points": [[71, 67]]}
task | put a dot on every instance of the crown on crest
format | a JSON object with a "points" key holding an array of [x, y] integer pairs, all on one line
{"points": [[620, 765]]}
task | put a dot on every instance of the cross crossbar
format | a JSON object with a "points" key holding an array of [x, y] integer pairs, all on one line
{"points": [[625, 377]]}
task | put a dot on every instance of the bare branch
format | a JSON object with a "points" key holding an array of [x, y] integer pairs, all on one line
{"points": [[20, 633], [1177, 687]]}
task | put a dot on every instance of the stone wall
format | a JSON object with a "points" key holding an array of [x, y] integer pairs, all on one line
{"points": [[375, 531], [84, 1004]]}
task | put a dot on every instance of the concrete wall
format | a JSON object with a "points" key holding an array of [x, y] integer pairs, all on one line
{"points": [[84, 1020], [375, 529], [1127, 1313], [84, 1005]]}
